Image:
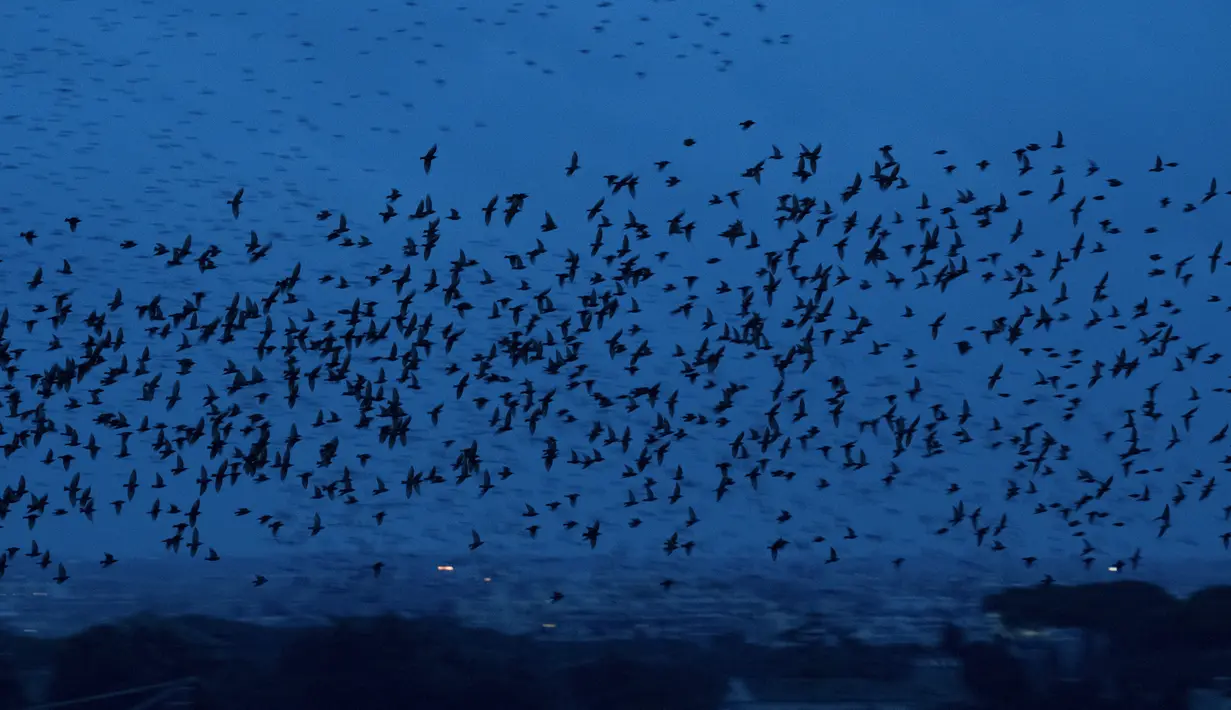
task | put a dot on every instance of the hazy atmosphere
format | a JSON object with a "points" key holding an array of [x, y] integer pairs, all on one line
{"points": [[672, 383]]}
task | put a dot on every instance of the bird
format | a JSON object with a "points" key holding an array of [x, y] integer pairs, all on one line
{"points": [[643, 367], [235, 202], [427, 159]]}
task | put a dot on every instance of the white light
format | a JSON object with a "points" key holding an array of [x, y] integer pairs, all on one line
{"points": [[444, 568], [549, 626], [487, 579], [1112, 569]]}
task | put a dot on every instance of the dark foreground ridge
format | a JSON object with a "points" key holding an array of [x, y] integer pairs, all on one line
{"points": [[1116, 645]]}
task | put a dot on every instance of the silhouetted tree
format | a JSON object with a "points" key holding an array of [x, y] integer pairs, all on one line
{"points": [[1205, 618], [113, 657], [1132, 613], [995, 677]]}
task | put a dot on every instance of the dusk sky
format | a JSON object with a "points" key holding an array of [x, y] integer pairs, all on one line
{"points": [[142, 119]]}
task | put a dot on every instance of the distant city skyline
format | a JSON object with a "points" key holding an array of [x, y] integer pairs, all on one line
{"points": [[762, 607]]}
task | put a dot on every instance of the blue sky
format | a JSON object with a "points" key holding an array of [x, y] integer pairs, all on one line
{"points": [[142, 119]]}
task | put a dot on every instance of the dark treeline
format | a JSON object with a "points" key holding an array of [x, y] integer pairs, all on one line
{"points": [[382, 662], [1159, 647], [1146, 648]]}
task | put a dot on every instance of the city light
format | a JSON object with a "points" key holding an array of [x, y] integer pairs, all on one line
{"points": [[444, 568]]}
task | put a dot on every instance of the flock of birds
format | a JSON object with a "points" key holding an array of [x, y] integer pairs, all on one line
{"points": [[219, 413]]}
